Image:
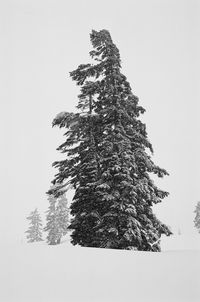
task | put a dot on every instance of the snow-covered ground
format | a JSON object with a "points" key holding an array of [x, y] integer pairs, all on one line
{"points": [[36, 272]]}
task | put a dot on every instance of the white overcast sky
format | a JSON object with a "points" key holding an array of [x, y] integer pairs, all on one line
{"points": [[43, 40]]}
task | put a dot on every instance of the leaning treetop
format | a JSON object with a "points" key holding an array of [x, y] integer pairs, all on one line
{"points": [[106, 158]]}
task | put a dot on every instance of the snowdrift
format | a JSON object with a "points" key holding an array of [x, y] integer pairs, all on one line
{"points": [[36, 272]]}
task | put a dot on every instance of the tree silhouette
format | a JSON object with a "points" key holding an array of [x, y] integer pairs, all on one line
{"points": [[107, 159]]}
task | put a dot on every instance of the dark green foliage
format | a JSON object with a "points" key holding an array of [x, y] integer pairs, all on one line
{"points": [[106, 159], [197, 217], [34, 232]]}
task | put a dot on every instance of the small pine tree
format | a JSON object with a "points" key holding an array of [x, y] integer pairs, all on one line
{"points": [[51, 226], [34, 232], [197, 217], [57, 219], [62, 213]]}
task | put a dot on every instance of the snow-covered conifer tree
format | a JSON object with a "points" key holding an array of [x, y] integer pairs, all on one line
{"points": [[34, 232], [62, 213], [51, 226], [107, 159], [57, 219], [197, 217]]}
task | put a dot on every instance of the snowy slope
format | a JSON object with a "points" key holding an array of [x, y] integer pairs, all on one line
{"points": [[37, 272]]}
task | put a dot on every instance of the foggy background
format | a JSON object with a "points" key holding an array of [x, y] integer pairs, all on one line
{"points": [[42, 41]]}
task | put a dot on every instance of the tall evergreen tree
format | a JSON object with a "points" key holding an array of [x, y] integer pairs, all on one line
{"points": [[107, 160], [197, 217], [34, 232], [57, 219]]}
